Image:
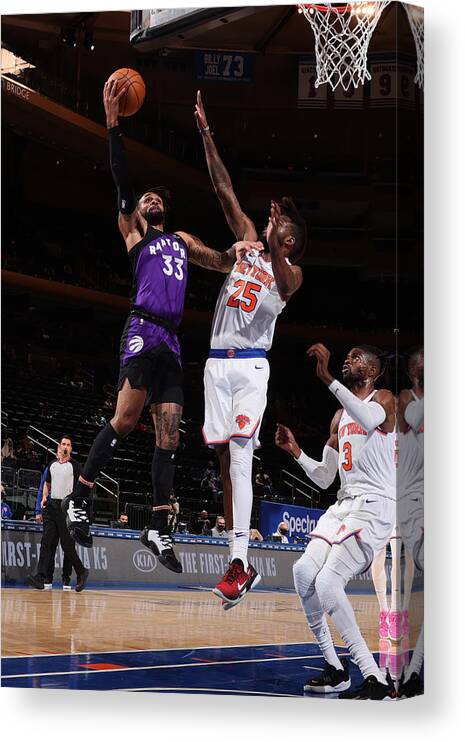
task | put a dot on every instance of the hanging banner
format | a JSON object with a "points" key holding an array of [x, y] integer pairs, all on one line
{"points": [[392, 83], [223, 66], [308, 96]]}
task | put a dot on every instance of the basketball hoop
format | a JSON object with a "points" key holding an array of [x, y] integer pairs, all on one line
{"points": [[342, 36], [416, 18]]}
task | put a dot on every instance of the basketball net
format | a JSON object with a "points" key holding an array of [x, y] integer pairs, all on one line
{"points": [[416, 18], [342, 36]]}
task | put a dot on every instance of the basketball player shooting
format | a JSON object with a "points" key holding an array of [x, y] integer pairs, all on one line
{"points": [[237, 371], [361, 447], [150, 370]]}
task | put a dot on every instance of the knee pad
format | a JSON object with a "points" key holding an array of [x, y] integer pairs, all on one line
{"points": [[304, 572], [328, 585]]}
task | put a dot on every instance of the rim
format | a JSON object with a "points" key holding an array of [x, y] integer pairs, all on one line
{"points": [[332, 8]]}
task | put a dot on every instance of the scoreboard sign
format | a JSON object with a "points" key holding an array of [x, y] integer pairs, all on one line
{"points": [[223, 66], [166, 16]]}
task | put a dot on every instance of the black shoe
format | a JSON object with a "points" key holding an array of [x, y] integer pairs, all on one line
{"points": [[81, 580], [412, 687], [372, 690], [35, 581], [330, 680], [161, 544], [77, 520]]}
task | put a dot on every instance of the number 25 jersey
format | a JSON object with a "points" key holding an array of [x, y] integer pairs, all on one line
{"points": [[248, 306]]}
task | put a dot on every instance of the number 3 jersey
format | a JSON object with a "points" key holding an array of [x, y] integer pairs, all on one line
{"points": [[367, 460], [352, 438], [159, 268], [248, 306]]}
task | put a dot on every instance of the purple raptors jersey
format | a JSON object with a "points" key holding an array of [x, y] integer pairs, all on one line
{"points": [[159, 267]]}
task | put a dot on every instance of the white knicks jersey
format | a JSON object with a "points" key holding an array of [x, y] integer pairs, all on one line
{"points": [[376, 467], [352, 437], [248, 306]]}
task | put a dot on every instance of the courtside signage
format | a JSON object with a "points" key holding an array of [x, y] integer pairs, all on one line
{"points": [[301, 521]]}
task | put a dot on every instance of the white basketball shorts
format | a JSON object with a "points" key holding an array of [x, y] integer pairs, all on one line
{"points": [[364, 522], [235, 398]]}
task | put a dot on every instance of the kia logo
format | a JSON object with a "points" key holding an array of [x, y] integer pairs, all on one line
{"points": [[144, 560]]}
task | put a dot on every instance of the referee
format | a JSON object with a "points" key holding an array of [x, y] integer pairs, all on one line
{"points": [[61, 478]]}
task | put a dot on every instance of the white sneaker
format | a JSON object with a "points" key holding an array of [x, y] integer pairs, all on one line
{"points": [[48, 585]]}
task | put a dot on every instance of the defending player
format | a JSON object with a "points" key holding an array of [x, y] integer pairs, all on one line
{"points": [[237, 370], [150, 371], [362, 446]]}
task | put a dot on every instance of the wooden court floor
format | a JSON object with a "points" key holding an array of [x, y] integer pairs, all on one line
{"points": [[56, 622]]}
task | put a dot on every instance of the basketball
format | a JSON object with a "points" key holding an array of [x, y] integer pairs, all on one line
{"points": [[134, 97]]}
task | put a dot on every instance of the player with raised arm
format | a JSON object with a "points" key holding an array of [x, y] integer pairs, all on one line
{"points": [[150, 370], [346, 538], [237, 371]]}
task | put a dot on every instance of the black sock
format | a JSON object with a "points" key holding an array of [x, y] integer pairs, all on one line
{"points": [[100, 453], [163, 470]]}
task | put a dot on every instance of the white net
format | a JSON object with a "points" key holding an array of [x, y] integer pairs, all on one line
{"points": [[342, 36], [416, 18]]}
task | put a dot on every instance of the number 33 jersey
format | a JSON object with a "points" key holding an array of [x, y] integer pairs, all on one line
{"points": [[248, 306]]}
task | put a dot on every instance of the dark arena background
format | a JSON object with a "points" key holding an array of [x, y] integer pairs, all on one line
{"points": [[353, 161]]}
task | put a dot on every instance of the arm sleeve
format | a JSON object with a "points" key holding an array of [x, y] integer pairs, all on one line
{"points": [[77, 471], [322, 472], [414, 414], [367, 414], [120, 172]]}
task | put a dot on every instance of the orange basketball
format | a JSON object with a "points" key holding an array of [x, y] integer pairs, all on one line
{"points": [[132, 100]]}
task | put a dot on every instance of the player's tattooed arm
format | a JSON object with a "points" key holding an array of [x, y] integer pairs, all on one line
{"points": [[131, 223], [205, 257], [288, 277], [242, 227]]}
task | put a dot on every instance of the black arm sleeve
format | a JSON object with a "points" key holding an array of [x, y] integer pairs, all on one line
{"points": [[77, 471], [120, 172]]}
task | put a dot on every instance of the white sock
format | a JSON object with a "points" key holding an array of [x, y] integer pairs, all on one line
{"points": [[345, 562], [396, 545], [409, 571], [417, 657], [305, 571], [241, 452], [378, 575]]}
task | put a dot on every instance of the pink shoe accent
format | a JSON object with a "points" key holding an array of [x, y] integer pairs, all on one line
{"points": [[406, 625], [395, 623], [384, 646], [383, 628], [396, 662]]}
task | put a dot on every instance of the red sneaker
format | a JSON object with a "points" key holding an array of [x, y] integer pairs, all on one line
{"points": [[236, 583]]}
